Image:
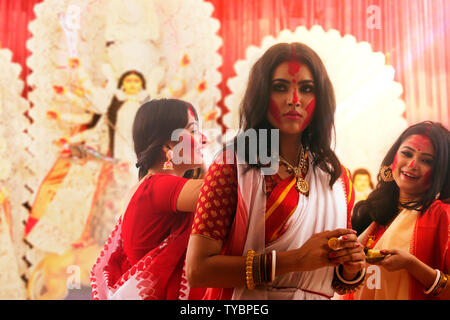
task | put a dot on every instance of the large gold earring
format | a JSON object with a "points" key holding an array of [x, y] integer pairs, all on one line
{"points": [[386, 173]]}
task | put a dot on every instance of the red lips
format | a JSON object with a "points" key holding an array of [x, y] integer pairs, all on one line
{"points": [[292, 115], [408, 175]]}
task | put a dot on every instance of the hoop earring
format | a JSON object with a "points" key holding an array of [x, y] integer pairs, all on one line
{"points": [[168, 165], [386, 173]]}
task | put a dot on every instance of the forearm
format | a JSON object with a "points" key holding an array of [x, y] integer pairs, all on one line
{"points": [[426, 276], [222, 271], [217, 272], [421, 272]]}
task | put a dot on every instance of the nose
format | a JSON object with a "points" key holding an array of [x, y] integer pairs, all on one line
{"points": [[294, 99], [412, 164]]}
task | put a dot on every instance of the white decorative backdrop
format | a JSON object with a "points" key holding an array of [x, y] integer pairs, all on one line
{"points": [[13, 157]]}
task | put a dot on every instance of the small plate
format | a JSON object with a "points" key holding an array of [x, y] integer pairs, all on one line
{"points": [[373, 256]]}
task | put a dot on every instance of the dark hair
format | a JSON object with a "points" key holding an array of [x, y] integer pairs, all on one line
{"points": [[381, 205], [317, 136], [153, 125], [365, 172]]}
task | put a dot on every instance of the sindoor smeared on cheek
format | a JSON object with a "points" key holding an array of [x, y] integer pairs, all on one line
{"points": [[394, 163], [274, 111], [309, 113]]}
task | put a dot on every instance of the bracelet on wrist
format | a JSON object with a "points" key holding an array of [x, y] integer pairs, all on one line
{"points": [[259, 268], [343, 286]]}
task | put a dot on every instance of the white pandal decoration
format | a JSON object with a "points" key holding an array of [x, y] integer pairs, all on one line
{"points": [[80, 50], [13, 145], [369, 108]]}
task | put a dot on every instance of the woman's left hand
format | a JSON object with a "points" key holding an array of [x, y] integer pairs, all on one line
{"points": [[351, 256], [395, 259]]}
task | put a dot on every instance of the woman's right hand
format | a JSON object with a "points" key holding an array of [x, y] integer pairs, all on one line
{"points": [[314, 253]]}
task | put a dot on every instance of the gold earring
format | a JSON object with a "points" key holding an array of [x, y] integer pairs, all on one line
{"points": [[386, 173]]}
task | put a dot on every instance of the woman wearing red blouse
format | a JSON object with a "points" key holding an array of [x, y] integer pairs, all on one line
{"points": [[265, 236], [144, 256]]}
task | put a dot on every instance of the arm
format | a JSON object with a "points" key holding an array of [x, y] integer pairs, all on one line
{"points": [[187, 199], [399, 259], [207, 267]]}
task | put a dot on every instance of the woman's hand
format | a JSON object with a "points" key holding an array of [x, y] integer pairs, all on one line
{"points": [[315, 253], [350, 255], [395, 259]]}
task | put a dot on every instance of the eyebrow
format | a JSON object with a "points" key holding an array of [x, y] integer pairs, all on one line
{"points": [[424, 153], [287, 81]]}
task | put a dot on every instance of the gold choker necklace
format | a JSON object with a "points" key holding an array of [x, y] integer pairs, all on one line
{"points": [[300, 171]]}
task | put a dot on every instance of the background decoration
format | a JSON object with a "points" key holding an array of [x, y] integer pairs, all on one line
{"points": [[364, 87], [85, 57], [13, 144]]}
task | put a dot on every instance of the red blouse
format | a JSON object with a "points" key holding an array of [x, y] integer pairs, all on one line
{"points": [[218, 200], [152, 215]]}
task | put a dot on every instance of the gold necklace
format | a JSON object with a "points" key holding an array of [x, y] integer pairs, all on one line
{"points": [[300, 171]]}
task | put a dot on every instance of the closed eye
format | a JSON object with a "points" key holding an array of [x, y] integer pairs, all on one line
{"points": [[428, 161], [407, 154]]}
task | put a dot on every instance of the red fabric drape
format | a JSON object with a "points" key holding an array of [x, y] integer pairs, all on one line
{"points": [[14, 18], [415, 34]]}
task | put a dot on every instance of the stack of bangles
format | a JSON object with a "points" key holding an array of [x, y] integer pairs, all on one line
{"points": [[440, 284], [342, 286], [259, 268]]}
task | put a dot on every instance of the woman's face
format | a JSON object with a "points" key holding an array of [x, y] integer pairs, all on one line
{"points": [[292, 97], [362, 182], [190, 144], [412, 166], [132, 84]]}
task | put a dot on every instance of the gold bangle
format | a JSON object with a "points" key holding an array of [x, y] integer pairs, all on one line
{"points": [[442, 284], [249, 270]]}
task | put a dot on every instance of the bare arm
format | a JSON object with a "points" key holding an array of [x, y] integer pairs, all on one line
{"points": [[399, 259], [187, 199]]}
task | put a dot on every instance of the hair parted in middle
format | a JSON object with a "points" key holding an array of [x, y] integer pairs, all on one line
{"points": [[317, 137]]}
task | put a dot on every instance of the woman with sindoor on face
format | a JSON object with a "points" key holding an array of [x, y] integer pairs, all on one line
{"points": [[265, 236], [407, 217], [145, 254]]}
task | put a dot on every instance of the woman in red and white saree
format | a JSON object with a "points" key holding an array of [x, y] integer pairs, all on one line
{"points": [[265, 236], [145, 254], [410, 218]]}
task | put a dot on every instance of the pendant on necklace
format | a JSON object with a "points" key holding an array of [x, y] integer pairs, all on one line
{"points": [[302, 186]]}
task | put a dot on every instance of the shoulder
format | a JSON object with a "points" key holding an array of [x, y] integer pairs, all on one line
{"points": [[159, 182], [225, 161], [440, 208]]}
